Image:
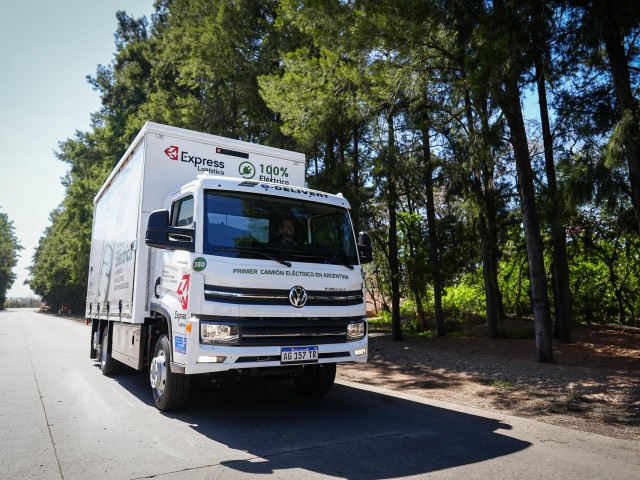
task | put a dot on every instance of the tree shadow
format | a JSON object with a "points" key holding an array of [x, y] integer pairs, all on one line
{"points": [[350, 433]]}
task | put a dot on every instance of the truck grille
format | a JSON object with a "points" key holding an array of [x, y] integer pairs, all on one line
{"points": [[270, 331], [260, 296]]}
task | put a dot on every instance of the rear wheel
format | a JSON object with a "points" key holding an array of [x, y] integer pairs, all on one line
{"points": [[170, 390], [108, 365], [316, 380], [94, 351]]}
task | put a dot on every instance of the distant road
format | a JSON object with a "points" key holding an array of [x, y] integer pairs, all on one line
{"points": [[61, 419]]}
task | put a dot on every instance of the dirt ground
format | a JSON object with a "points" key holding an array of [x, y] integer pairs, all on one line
{"points": [[593, 384]]}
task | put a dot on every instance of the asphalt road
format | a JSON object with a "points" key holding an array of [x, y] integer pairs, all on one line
{"points": [[61, 419]]}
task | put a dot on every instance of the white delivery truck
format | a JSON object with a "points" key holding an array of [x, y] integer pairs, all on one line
{"points": [[210, 257]]}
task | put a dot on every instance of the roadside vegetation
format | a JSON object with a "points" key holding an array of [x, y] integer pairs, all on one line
{"points": [[9, 253]]}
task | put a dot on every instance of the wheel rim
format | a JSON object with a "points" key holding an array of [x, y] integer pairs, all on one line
{"points": [[158, 373], [308, 376]]}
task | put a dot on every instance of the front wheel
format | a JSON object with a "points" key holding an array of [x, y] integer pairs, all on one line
{"points": [[316, 380], [170, 390]]}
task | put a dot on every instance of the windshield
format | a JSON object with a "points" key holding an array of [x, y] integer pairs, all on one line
{"points": [[259, 226]]}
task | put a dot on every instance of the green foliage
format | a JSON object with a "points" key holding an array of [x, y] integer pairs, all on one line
{"points": [[605, 272], [514, 276], [466, 297], [315, 94], [9, 253], [411, 329], [408, 318], [380, 323], [205, 63], [60, 264]]}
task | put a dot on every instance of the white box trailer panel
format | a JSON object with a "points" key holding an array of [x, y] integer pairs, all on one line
{"points": [[114, 241]]}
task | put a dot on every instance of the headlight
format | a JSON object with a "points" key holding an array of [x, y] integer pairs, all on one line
{"points": [[219, 333], [356, 330]]}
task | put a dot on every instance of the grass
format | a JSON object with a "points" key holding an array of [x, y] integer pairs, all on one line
{"points": [[496, 383], [461, 334], [573, 402], [503, 385]]}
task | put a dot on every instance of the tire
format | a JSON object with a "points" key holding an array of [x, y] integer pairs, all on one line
{"points": [[170, 390], [316, 380], [94, 353], [108, 365]]}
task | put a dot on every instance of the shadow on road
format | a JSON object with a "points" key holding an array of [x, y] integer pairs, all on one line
{"points": [[350, 433]]}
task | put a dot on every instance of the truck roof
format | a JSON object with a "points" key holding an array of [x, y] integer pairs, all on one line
{"points": [[250, 147], [267, 188]]}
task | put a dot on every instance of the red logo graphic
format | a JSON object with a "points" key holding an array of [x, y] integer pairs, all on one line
{"points": [[172, 152], [183, 291]]}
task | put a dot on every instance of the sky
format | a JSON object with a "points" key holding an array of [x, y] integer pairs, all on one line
{"points": [[47, 49]]}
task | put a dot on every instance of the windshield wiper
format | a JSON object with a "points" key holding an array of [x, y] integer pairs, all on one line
{"points": [[253, 252], [324, 258], [335, 261]]}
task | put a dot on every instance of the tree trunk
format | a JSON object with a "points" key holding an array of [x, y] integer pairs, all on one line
{"points": [[356, 179], [416, 283], [418, 297], [342, 181], [519, 289], [611, 34], [482, 188], [509, 101], [330, 154], [491, 289], [394, 267], [432, 234], [490, 250], [563, 313]]}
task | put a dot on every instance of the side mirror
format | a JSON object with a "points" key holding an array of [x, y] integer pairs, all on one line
{"points": [[161, 235], [364, 248]]}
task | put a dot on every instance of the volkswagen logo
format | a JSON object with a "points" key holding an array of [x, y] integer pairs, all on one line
{"points": [[298, 297]]}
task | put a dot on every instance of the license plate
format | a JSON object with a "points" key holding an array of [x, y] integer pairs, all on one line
{"points": [[299, 354]]}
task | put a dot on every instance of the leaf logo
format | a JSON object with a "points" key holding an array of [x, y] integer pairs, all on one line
{"points": [[172, 152]]}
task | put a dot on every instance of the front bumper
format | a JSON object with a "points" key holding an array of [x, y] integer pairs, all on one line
{"points": [[193, 357]]}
